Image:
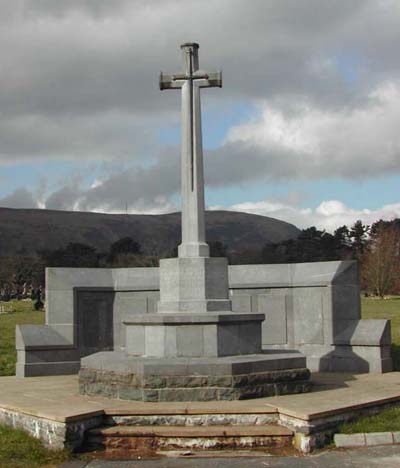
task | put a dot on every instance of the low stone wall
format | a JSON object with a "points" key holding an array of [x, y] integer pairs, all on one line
{"points": [[53, 434], [310, 307]]}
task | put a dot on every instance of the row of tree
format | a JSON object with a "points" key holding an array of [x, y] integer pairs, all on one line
{"points": [[376, 247]]}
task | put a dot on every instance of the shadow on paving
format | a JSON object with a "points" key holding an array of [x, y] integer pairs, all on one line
{"points": [[369, 457]]}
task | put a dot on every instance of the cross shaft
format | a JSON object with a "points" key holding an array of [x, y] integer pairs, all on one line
{"points": [[190, 82]]}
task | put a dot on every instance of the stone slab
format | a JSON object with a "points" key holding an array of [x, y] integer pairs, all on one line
{"points": [[232, 365], [349, 440], [366, 332], [378, 438], [193, 318], [396, 437]]}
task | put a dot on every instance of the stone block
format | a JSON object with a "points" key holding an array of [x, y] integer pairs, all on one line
{"points": [[349, 440], [261, 276], [189, 339], [228, 339], [210, 340], [192, 279], [274, 327], [396, 437], [60, 306], [241, 303], [249, 338], [378, 438], [171, 348], [154, 340], [346, 303], [365, 332], [135, 340], [308, 316]]}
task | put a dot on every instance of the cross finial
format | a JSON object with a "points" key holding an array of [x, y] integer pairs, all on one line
{"points": [[190, 57]]}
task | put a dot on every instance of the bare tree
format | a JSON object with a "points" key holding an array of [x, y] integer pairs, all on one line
{"points": [[381, 261]]}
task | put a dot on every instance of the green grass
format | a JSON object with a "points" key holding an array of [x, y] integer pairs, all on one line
{"points": [[385, 309], [387, 420], [16, 312], [19, 450]]}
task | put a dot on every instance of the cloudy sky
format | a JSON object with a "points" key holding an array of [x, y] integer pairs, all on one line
{"points": [[306, 127]]}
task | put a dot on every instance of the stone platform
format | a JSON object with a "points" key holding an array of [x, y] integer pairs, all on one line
{"points": [[116, 375], [50, 408]]}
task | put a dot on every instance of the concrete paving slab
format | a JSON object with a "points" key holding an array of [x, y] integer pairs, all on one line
{"points": [[367, 457], [57, 398], [349, 440], [335, 393]]}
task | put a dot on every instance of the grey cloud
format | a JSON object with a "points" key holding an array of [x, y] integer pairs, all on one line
{"points": [[69, 64], [64, 198], [20, 198], [136, 185]]}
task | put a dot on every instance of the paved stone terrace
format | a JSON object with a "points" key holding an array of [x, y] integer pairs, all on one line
{"points": [[57, 398]]}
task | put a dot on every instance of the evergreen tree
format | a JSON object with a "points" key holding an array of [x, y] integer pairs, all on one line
{"points": [[359, 238]]}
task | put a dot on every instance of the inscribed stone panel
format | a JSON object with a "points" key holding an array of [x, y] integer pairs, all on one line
{"points": [[308, 315], [274, 327], [94, 316]]}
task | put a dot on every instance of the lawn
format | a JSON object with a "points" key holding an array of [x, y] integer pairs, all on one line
{"points": [[386, 309], [16, 312], [387, 420], [19, 450]]}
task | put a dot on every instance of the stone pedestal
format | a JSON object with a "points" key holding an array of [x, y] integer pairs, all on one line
{"points": [[194, 285], [193, 335], [194, 348]]}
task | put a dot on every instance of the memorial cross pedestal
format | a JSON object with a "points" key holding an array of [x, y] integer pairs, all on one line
{"points": [[194, 348]]}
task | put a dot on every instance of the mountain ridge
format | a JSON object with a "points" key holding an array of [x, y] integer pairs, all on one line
{"points": [[26, 231]]}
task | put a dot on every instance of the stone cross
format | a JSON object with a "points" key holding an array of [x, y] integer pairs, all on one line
{"points": [[190, 81]]}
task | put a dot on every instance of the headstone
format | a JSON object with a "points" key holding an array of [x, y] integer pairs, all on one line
{"points": [[194, 347]]}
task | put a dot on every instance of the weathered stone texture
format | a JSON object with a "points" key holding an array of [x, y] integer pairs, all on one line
{"points": [[193, 387]]}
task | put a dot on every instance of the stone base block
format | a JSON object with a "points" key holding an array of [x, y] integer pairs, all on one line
{"points": [[196, 379], [193, 335], [194, 285]]}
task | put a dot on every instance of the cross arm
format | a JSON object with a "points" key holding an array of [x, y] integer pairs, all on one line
{"points": [[210, 80], [205, 80], [169, 82]]}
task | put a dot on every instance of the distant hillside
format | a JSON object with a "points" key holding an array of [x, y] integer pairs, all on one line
{"points": [[23, 232]]}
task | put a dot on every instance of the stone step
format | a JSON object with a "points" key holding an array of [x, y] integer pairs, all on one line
{"points": [[125, 441], [193, 416]]}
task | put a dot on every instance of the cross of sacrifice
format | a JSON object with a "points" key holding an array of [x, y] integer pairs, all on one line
{"points": [[192, 177]]}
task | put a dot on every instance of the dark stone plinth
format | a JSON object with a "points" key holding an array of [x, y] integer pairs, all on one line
{"points": [[195, 379]]}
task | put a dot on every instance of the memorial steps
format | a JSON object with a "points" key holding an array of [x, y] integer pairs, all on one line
{"points": [[128, 436]]}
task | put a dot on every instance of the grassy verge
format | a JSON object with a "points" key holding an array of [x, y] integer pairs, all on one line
{"points": [[387, 420], [16, 312], [19, 450]]}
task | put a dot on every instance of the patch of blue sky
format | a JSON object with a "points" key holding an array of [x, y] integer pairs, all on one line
{"points": [[217, 119], [29, 175], [358, 193], [348, 66]]}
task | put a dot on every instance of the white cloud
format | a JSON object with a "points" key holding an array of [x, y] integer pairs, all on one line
{"points": [[329, 215], [320, 143]]}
